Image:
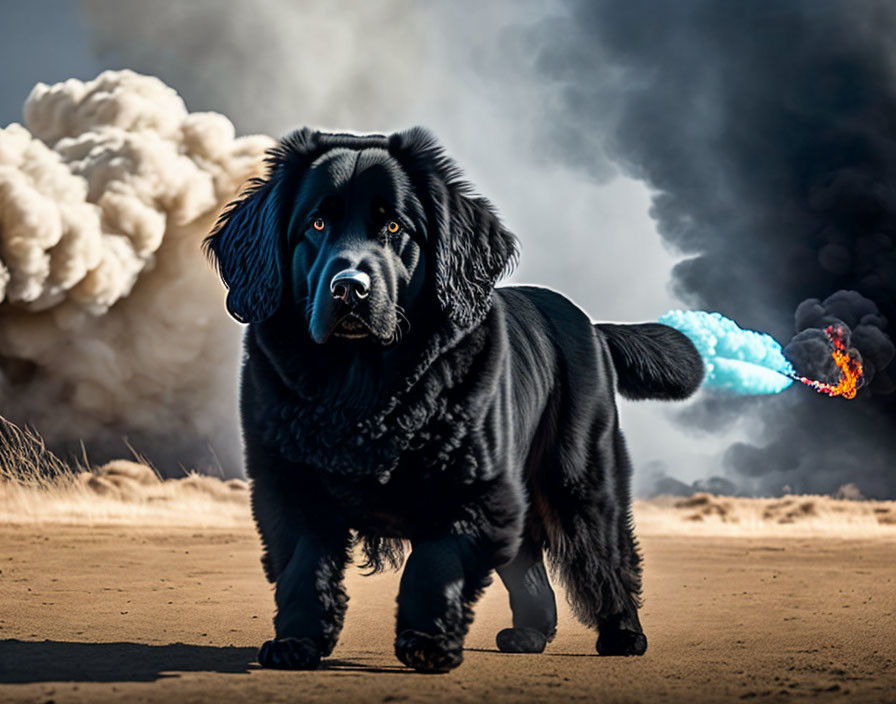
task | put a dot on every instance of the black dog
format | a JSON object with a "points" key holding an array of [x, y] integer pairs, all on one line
{"points": [[390, 393]]}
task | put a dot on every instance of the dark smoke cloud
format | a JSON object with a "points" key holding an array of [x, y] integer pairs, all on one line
{"points": [[809, 350], [766, 131]]}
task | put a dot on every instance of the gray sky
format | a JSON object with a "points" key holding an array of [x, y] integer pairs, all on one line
{"points": [[40, 40]]}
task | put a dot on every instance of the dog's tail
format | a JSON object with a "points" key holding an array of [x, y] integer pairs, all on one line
{"points": [[653, 361]]}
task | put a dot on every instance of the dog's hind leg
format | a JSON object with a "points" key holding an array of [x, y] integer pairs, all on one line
{"points": [[592, 545], [531, 601]]}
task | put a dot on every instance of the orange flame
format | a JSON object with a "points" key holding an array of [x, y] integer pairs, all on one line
{"points": [[851, 376]]}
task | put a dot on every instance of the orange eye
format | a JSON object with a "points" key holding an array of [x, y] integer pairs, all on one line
{"points": [[393, 227], [318, 224]]}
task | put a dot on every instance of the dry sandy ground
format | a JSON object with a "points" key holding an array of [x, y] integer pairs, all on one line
{"points": [[134, 612]]}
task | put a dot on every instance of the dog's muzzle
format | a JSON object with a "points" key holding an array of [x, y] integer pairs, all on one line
{"points": [[348, 283]]}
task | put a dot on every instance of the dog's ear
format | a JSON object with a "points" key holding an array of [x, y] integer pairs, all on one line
{"points": [[471, 247], [248, 239]]}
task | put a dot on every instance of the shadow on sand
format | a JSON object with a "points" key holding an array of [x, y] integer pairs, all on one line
{"points": [[58, 661]]}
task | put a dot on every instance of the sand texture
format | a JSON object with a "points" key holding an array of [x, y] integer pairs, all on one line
{"points": [[153, 603]]}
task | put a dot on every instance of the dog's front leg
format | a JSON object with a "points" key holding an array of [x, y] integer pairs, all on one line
{"points": [[442, 579], [311, 602]]}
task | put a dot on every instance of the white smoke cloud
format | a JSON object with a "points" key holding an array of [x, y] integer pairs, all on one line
{"points": [[112, 325]]}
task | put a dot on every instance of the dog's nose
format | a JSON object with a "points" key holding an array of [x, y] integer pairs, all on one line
{"points": [[350, 282]]}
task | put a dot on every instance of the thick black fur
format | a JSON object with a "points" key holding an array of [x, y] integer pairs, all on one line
{"points": [[477, 424], [641, 355]]}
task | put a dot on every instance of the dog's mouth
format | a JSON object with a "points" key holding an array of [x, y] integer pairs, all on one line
{"points": [[351, 327]]}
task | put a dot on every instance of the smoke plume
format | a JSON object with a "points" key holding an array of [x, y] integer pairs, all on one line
{"points": [[110, 325], [766, 133], [861, 317], [273, 65]]}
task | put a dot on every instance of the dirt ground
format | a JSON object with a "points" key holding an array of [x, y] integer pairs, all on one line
{"points": [[175, 614]]}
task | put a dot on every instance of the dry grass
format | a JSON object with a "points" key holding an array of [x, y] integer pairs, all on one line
{"points": [[797, 516], [36, 486], [26, 461]]}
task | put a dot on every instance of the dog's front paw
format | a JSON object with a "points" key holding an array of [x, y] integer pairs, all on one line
{"points": [[289, 654], [426, 653], [521, 640], [621, 642]]}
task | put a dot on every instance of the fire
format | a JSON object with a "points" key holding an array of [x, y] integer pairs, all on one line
{"points": [[851, 377]]}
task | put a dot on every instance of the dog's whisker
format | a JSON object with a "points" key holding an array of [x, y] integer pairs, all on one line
{"points": [[402, 320]]}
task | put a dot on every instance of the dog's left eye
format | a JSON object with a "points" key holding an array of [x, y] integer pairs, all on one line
{"points": [[393, 227]]}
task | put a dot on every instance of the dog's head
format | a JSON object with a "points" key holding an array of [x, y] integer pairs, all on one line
{"points": [[355, 233]]}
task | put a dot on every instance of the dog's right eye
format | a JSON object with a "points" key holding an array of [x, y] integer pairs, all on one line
{"points": [[319, 224]]}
